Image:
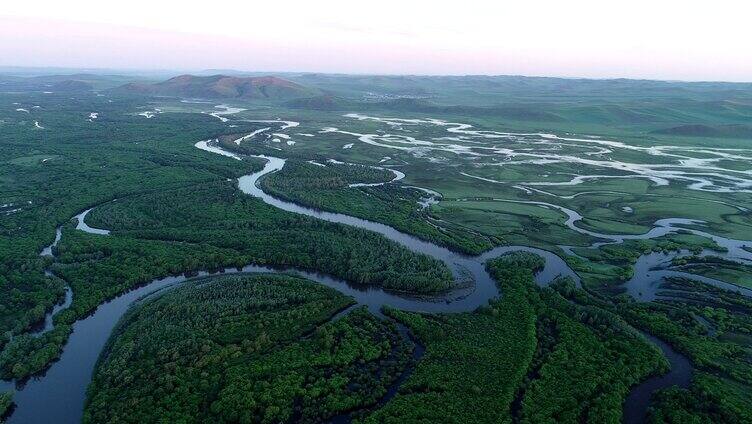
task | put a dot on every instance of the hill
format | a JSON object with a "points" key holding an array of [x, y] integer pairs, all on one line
{"points": [[223, 86], [699, 130], [71, 85], [55, 83], [513, 112]]}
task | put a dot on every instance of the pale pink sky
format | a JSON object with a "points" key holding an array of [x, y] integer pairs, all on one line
{"points": [[664, 39]]}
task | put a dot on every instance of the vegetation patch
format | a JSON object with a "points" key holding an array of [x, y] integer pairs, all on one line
{"points": [[327, 188], [6, 404], [244, 349], [531, 354]]}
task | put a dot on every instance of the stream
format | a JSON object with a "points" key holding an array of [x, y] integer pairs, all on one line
{"points": [[59, 394], [637, 402]]}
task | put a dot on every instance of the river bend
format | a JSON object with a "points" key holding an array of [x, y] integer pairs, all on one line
{"points": [[59, 394]]}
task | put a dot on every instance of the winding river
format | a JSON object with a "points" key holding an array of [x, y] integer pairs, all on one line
{"points": [[59, 394]]}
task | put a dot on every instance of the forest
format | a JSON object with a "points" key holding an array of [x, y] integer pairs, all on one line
{"points": [[264, 349], [327, 188], [216, 214], [245, 349], [713, 330], [173, 233], [50, 179], [6, 404], [536, 356]]}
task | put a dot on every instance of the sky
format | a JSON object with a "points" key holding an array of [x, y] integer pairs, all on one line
{"points": [[657, 39]]}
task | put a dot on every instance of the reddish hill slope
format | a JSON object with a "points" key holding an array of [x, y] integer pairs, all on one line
{"points": [[222, 86]]}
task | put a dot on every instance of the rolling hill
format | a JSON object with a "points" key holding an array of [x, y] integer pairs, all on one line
{"points": [[54, 83], [718, 131], [223, 86]]}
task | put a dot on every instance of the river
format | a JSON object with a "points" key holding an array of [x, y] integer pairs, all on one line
{"points": [[59, 394]]}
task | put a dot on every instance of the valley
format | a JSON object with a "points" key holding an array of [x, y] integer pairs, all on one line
{"points": [[433, 255]]}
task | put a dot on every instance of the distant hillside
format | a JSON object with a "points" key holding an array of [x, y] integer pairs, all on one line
{"points": [[323, 102], [55, 83], [71, 85], [512, 112], [486, 90], [223, 86], [698, 130]]}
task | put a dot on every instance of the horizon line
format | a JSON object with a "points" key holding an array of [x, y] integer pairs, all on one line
{"points": [[191, 71]]}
